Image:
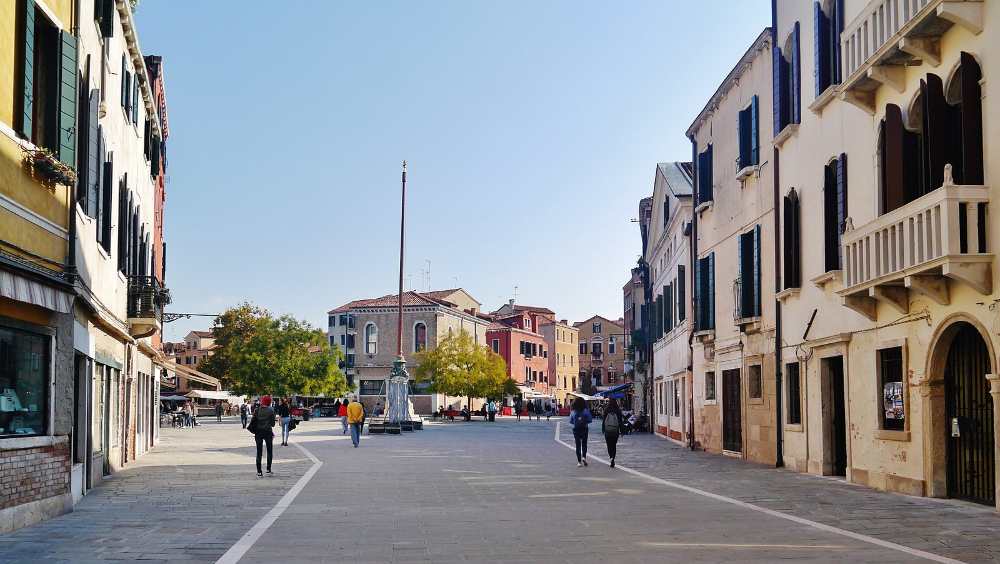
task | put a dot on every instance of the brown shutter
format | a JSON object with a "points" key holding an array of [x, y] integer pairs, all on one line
{"points": [[893, 194], [972, 121], [936, 126]]}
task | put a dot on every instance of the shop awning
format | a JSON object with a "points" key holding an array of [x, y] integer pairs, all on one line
{"points": [[22, 289], [215, 395], [616, 391], [585, 396], [173, 398]]}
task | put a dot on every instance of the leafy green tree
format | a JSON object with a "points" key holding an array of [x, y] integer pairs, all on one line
{"points": [[459, 367], [257, 353]]}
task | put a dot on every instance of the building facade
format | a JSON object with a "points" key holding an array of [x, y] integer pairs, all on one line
{"points": [[561, 343], [523, 349], [892, 383], [191, 352], [428, 317], [636, 357], [668, 256], [734, 230], [600, 354]]}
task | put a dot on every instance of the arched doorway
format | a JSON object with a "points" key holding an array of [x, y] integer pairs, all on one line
{"points": [[969, 436]]}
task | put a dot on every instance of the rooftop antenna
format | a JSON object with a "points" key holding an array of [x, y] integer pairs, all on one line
{"points": [[428, 275]]}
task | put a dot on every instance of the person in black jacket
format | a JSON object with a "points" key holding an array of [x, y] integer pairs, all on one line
{"points": [[611, 426], [286, 421], [262, 421]]}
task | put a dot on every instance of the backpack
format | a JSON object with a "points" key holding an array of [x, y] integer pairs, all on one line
{"points": [[580, 422], [611, 423]]}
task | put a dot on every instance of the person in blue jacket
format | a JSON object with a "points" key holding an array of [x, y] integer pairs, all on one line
{"points": [[580, 420]]}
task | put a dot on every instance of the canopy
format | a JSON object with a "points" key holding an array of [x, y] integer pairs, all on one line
{"points": [[615, 391], [531, 393], [214, 395], [585, 396], [173, 398]]}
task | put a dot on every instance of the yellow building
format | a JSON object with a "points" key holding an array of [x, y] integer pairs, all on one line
{"points": [[38, 99], [561, 339]]}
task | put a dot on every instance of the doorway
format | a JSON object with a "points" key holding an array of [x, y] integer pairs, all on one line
{"points": [[732, 419], [969, 424], [835, 417]]}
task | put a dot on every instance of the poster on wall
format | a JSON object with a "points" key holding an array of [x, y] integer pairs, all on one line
{"points": [[892, 401]]}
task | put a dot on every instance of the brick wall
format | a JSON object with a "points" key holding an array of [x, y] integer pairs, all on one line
{"points": [[33, 474]]}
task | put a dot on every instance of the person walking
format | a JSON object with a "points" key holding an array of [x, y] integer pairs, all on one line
{"points": [[611, 428], [261, 425], [491, 410], [342, 413], [218, 412], [286, 421], [517, 408], [356, 419], [580, 420], [531, 409], [244, 412]]}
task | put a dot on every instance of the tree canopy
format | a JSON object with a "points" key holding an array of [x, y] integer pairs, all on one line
{"points": [[460, 367], [257, 353]]}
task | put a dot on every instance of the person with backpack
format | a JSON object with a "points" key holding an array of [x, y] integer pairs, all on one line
{"points": [[261, 423], [611, 427], [286, 421], [517, 408], [580, 419], [244, 413]]}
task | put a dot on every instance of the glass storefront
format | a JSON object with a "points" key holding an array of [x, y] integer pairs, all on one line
{"points": [[24, 377]]}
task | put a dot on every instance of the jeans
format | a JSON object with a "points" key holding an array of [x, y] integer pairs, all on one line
{"points": [[612, 440], [356, 433], [343, 422], [581, 444], [285, 429], [260, 439], [243, 420]]}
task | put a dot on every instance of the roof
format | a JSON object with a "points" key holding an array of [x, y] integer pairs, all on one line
{"points": [[601, 317], [678, 176], [203, 334], [410, 298], [762, 42], [535, 309]]}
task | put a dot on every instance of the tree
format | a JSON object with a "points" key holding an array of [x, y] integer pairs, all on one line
{"points": [[257, 353], [460, 367]]}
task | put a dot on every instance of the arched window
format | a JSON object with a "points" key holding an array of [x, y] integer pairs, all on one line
{"points": [[371, 339], [419, 337]]}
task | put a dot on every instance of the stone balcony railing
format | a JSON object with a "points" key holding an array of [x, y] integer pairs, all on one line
{"points": [[919, 247], [889, 34]]}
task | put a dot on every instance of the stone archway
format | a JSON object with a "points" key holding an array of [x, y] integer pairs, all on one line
{"points": [[932, 396]]}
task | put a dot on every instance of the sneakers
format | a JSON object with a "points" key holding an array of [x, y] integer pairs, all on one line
{"points": [[585, 462], [612, 462], [260, 475], [578, 465], [269, 473]]}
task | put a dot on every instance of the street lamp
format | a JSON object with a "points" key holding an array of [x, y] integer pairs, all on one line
{"points": [[397, 389]]}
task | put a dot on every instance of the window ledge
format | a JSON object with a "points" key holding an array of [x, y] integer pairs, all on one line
{"points": [[710, 402], [17, 443], [745, 172], [823, 279], [789, 131], [787, 293], [706, 335], [793, 428], [886, 435], [823, 99], [703, 207]]}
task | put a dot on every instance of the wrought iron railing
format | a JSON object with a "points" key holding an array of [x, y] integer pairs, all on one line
{"points": [[146, 297]]}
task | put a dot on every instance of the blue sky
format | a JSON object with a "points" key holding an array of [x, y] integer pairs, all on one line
{"points": [[531, 130]]}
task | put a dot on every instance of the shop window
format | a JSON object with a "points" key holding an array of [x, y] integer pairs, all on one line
{"points": [[677, 398], [24, 376], [754, 384], [794, 394], [710, 386], [371, 387], [890, 368]]}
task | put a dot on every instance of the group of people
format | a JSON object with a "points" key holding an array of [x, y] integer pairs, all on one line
{"points": [[612, 425], [536, 410]]}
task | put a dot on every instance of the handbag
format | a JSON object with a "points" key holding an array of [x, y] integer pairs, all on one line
{"points": [[293, 424], [252, 426]]}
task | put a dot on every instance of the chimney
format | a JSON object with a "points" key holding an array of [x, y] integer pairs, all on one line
{"points": [[511, 302]]}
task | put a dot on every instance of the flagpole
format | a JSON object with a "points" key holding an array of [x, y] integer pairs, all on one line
{"points": [[398, 383], [402, 236]]}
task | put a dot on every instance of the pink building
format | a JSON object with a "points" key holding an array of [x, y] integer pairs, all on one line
{"points": [[515, 338]]}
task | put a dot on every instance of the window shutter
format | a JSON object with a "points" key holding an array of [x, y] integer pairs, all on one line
{"points": [[777, 88], [756, 270], [135, 98], [796, 101], [821, 44], [681, 298], [106, 16], [94, 160], [841, 203], [106, 206], [792, 241], [754, 131], [936, 126], [67, 99], [742, 135], [892, 130], [163, 272], [122, 223], [124, 78], [744, 282], [711, 178], [699, 318], [28, 76], [154, 158], [83, 169], [972, 121], [838, 27], [711, 291], [666, 309]]}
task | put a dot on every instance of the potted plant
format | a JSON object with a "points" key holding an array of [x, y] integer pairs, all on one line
{"points": [[47, 166]]}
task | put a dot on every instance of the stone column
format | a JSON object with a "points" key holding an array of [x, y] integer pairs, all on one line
{"points": [[994, 381]]}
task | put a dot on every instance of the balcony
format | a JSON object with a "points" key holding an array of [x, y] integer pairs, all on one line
{"points": [[919, 247], [146, 299], [890, 34]]}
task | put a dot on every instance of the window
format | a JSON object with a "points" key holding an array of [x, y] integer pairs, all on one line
{"points": [[333, 341], [496, 346], [371, 339], [596, 328], [350, 360], [794, 394], [705, 293], [827, 26], [24, 380], [534, 349], [890, 369], [748, 136], [527, 374], [104, 15], [681, 293], [611, 345], [710, 386], [343, 319], [677, 398], [834, 209], [596, 349], [350, 341], [612, 375], [46, 99], [343, 341], [419, 337], [787, 82], [371, 387], [748, 304], [666, 210], [583, 348], [754, 384], [332, 321], [704, 176], [792, 241]]}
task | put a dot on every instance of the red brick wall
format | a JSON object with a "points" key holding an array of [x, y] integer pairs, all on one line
{"points": [[33, 474]]}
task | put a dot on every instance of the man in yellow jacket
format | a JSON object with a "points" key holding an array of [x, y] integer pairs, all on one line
{"points": [[356, 419]]}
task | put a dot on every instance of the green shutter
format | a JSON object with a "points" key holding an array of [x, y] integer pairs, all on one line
{"points": [[67, 99], [27, 92], [106, 17]]}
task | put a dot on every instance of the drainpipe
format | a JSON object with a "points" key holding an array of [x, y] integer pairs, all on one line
{"points": [[71, 250], [779, 438], [692, 260]]}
